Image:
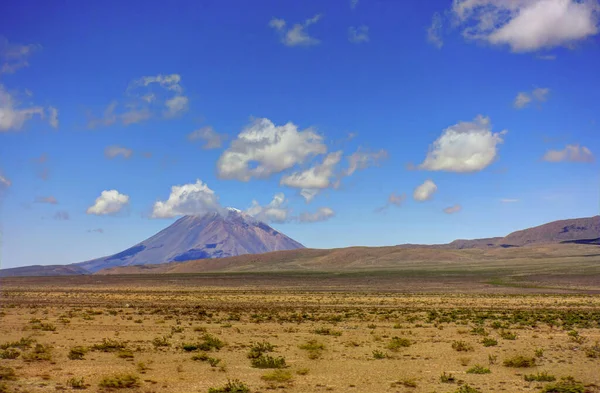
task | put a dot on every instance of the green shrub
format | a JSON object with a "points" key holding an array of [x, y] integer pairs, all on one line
{"points": [[109, 345], [593, 351], [565, 385], [257, 349], [447, 378], [23, 343], [77, 383], [210, 342], [277, 376], [507, 335], [489, 342], [77, 353], [377, 354], [325, 331], [478, 369], [266, 361], [397, 343], [539, 377], [462, 346], [235, 386], [39, 353], [520, 361], [120, 381], [9, 353]]}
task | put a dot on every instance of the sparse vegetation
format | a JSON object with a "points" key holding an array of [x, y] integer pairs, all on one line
{"points": [[76, 383], [279, 376], [478, 369], [519, 361], [565, 385], [539, 377], [120, 381], [266, 361], [462, 346], [398, 343], [77, 353], [232, 386]]}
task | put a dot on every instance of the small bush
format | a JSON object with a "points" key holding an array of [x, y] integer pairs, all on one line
{"points": [[302, 371], [277, 376], [593, 351], [489, 342], [257, 349], [447, 378], [467, 389], [507, 335], [7, 374], [478, 369], [120, 381], [161, 342], [77, 353], [23, 343], [539, 377], [210, 342], [77, 383], [266, 361], [377, 354], [462, 346], [203, 357], [325, 331], [397, 343], [38, 353], [108, 345], [9, 353], [565, 385], [235, 386], [520, 361]]}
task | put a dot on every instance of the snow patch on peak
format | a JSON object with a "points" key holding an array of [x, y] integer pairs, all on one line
{"points": [[233, 209]]}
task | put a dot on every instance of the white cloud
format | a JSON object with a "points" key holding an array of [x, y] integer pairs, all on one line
{"points": [[49, 199], [212, 139], [109, 202], [275, 211], [4, 182], [114, 151], [145, 98], [394, 199], [12, 115], [309, 194], [53, 116], [425, 191], [295, 35], [187, 199], [524, 98], [317, 177], [453, 209], [571, 153], [527, 25], [263, 148], [62, 215], [464, 147], [434, 32], [14, 56], [322, 214], [357, 35], [363, 159], [509, 200]]}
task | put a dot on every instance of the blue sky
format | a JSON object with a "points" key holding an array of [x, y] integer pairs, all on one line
{"points": [[399, 122]]}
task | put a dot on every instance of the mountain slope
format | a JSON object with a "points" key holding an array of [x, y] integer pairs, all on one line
{"points": [[40, 270], [200, 237]]}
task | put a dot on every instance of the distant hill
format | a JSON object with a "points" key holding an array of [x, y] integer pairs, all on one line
{"points": [[39, 270]]}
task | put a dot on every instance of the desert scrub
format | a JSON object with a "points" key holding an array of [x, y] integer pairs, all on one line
{"points": [[397, 343], [210, 342], [302, 371], [161, 342], [507, 335], [77, 353], [23, 343], [39, 353], [109, 345], [565, 385], [266, 361], [279, 376], [7, 374], [406, 382], [520, 361], [462, 346], [235, 386], [467, 389], [313, 347], [489, 342], [539, 377], [593, 351], [120, 381], [259, 348], [325, 331], [9, 353], [203, 357], [447, 378], [76, 383], [377, 354], [478, 369]]}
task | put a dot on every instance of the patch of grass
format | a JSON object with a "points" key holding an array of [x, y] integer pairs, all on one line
{"points": [[259, 348], [108, 345], [565, 385], [508, 335], [520, 361], [39, 353], [489, 342], [593, 351], [539, 377], [23, 343], [266, 361], [210, 342], [447, 378], [77, 353], [77, 383], [161, 342], [314, 348], [9, 353], [325, 331], [235, 386], [377, 354], [467, 389], [7, 374], [397, 343], [120, 381], [478, 369], [462, 346], [279, 376]]}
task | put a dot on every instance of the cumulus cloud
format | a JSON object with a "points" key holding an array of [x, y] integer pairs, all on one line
{"points": [[317, 177], [525, 98], [453, 209], [114, 151], [14, 56], [145, 98], [571, 153], [61, 215], [526, 25], [322, 214], [434, 32], [109, 202], [359, 34], [276, 211], [263, 148], [211, 138], [295, 35], [188, 199], [49, 199], [425, 191], [12, 115], [464, 147]]}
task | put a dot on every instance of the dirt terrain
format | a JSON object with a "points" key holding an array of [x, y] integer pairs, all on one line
{"points": [[320, 332]]}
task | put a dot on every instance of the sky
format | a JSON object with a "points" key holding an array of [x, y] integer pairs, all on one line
{"points": [[339, 123]]}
